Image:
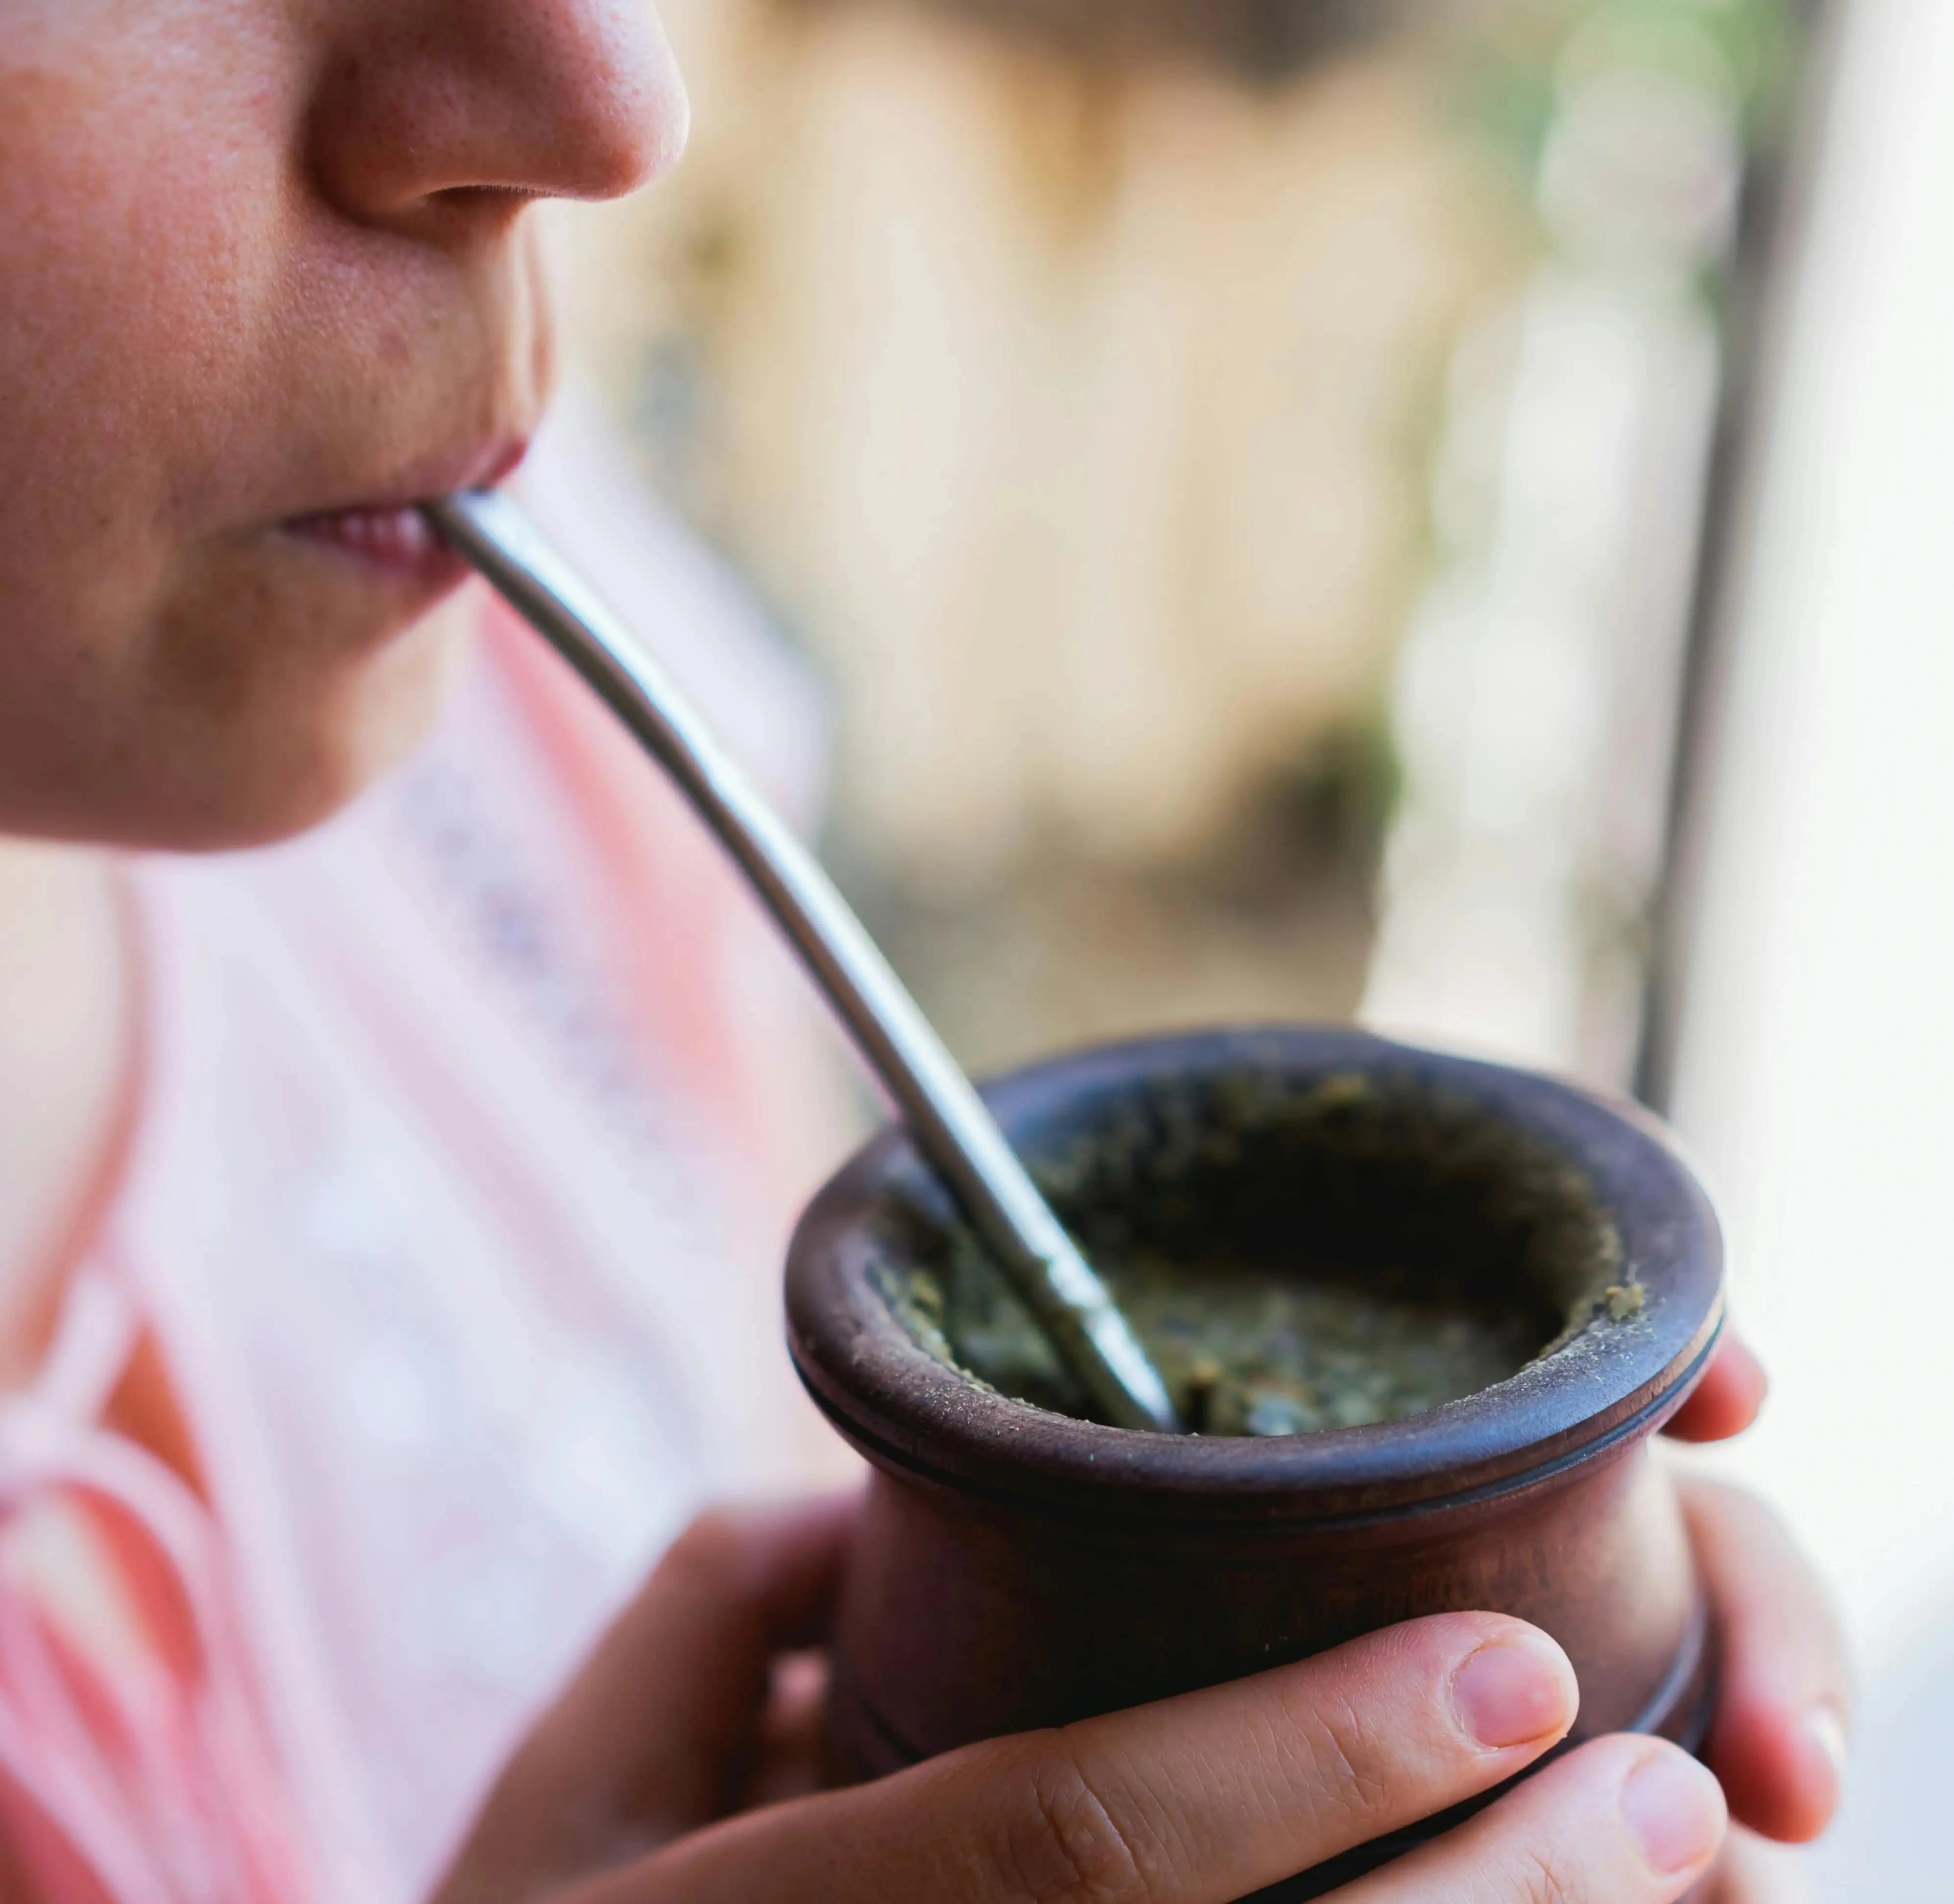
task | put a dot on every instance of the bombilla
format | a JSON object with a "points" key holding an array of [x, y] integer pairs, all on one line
{"points": [[949, 1120]]}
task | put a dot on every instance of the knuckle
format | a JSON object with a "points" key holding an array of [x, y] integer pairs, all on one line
{"points": [[1543, 1874], [709, 1549], [1064, 1843], [1345, 1777]]}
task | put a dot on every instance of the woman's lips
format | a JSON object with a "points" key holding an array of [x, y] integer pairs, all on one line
{"points": [[398, 542], [394, 537]]}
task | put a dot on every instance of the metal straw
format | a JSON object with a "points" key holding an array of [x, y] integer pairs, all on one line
{"points": [[947, 1117]]}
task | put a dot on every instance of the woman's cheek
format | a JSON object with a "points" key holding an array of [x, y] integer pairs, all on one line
{"points": [[122, 299]]}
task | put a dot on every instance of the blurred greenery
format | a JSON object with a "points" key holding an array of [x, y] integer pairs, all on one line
{"points": [[1501, 76]]}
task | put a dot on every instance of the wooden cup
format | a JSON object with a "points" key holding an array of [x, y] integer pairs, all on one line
{"points": [[1017, 1567]]}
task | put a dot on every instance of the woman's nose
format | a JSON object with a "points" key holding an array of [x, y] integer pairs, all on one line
{"points": [[424, 106]]}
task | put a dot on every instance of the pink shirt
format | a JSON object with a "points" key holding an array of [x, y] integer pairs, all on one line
{"points": [[469, 1132]]}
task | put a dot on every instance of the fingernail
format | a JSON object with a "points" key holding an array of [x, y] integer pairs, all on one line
{"points": [[1827, 1730], [1514, 1691], [1675, 1810]]}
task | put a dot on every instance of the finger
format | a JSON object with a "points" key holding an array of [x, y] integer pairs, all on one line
{"points": [[656, 1724], [786, 1762], [1753, 1870], [1623, 1821], [1778, 1741], [1726, 1400], [649, 1739], [1195, 1800]]}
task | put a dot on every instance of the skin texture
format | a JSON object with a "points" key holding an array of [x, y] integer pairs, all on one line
{"points": [[264, 259], [327, 294]]}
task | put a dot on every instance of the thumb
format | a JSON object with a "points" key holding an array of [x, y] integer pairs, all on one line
{"points": [[649, 1740]]}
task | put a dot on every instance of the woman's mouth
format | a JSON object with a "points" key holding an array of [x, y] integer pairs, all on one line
{"points": [[398, 542], [394, 538]]}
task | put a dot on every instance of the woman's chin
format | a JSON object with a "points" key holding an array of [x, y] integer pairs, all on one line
{"points": [[307, 769], [293, 744], [263, 691]]}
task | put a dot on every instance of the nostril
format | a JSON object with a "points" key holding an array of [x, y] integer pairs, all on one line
{"points": [[473, 200], [475, 107]]}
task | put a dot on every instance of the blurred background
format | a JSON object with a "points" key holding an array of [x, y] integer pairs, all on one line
{"points": [[1423, 513], [1236, 465]]}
